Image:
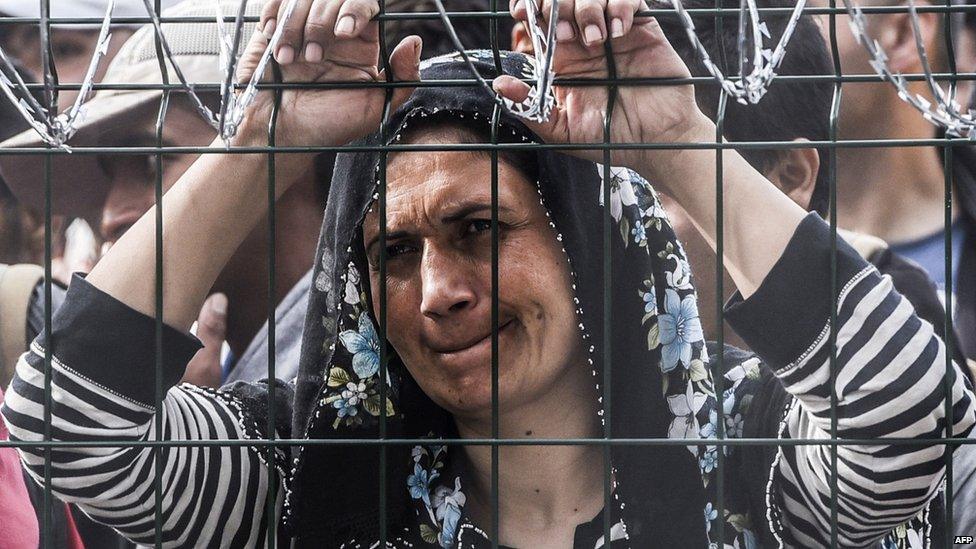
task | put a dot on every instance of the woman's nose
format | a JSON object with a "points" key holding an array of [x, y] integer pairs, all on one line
{"points": [[446, 285]]}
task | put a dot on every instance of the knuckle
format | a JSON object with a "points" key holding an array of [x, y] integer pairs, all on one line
{"points": [[281, 7], [316, 29], [270, 10], [291, 34], [362, 8], [622, 7], [589, 10], [566, 9]]}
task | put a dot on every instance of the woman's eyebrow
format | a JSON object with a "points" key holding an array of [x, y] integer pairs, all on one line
{"points": [[468, 209]]}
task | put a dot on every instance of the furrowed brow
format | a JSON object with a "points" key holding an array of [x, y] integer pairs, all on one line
{"points": [[469, 209]]}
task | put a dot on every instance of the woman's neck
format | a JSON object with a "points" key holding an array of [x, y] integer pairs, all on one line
{"points": [[544, 492]]}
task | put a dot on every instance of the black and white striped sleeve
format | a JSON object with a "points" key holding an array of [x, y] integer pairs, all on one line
{"points": [[102, 389], [890, 370]]}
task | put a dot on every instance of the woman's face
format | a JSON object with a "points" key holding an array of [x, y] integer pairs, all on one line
{"points": [[439, 282]]}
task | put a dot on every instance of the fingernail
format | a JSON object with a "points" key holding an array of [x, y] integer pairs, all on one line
{"points": [[564, 31], [313, 52], [269, 28], [346, 25], [592, 35], [218, 303], [616, 28], [286, 54]]}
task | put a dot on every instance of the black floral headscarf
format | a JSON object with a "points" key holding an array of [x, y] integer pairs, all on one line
{"points": [[661, 382]]}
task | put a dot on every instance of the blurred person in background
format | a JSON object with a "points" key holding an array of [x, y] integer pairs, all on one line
{"points": [[71, 45], [964, 34], [21, 294], [898, 193], [74, 244], [21, 232]]}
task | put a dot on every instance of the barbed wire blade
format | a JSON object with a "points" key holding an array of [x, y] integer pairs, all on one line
{"points": [[541, 98], [243, 101], [752, 87], [202, 109], [942, 111]]}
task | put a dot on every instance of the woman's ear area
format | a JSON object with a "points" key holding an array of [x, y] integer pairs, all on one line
{"points": [[796, 173]]}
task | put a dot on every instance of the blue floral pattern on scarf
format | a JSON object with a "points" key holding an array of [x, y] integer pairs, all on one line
{"points": [[442, 503], [353, 384]]}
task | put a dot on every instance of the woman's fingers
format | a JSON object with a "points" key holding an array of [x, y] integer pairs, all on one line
{"points": [[591, 21], [354, 16], [620, 13], [405, 64], [565, 28], [552, 130], [292, 30], [251, 57], [315, 24], [318, 32], [517, 8], [269, 18], [511, 88]]}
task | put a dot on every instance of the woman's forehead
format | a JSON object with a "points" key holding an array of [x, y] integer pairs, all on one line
{"points": [[428, 186]]}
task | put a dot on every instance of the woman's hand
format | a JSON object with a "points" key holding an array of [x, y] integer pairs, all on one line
{"points": [[325, 41], [659, 114], [642, 113]]}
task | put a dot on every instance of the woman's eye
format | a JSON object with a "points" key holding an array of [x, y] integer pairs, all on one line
{"points": [[478, 226], [397, 250]]}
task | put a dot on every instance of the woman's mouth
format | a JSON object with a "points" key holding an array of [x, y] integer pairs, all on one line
{"points": [[475, 352]]}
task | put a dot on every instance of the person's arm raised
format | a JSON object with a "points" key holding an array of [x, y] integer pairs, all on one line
{"points": [[221, 197], [660, 114]]}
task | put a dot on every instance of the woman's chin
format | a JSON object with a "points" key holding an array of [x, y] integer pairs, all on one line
{"points": [[470, 396]]}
